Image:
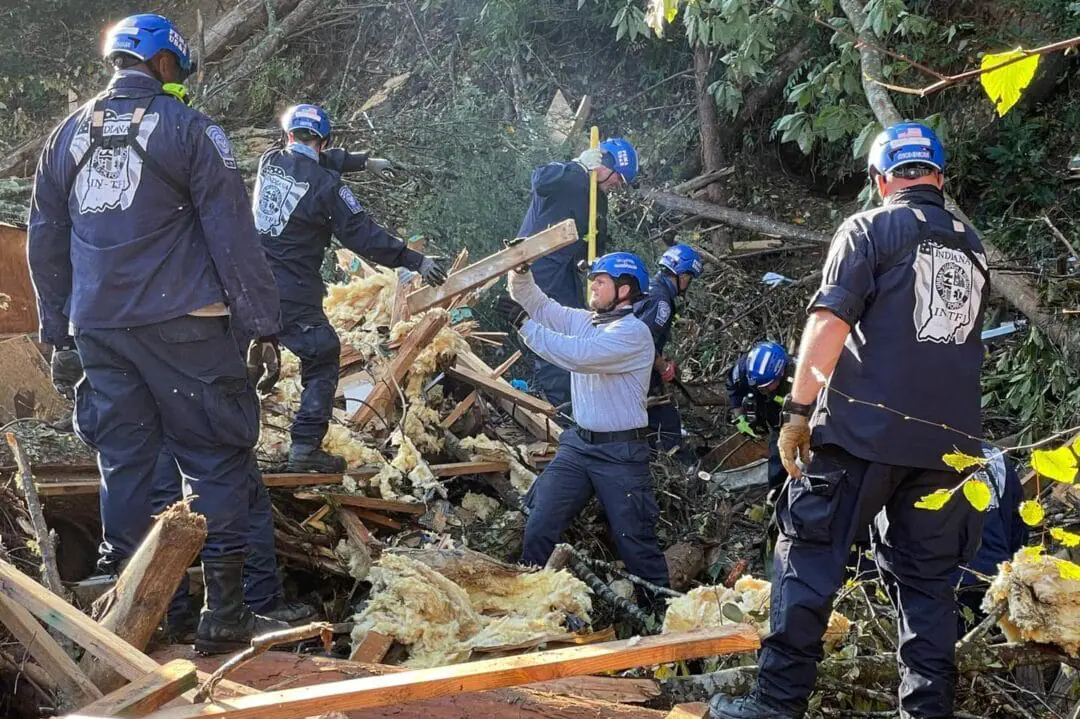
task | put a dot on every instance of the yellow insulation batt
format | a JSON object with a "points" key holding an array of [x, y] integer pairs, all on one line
{"points": [[1043, 606], [749, 604], [368, 300], [442, 621], [481, 505], [482, 448]]}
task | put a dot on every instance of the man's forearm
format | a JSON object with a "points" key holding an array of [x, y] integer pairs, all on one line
{"points": [[822, 341]]}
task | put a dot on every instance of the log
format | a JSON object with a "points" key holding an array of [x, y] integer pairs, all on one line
{"points": [[239, 24], [539, 425], [134, 607], [410, 686], [464, 405], [385, 393], [76, 687], [501, 390], [46, 540], [494, 266], [25, 370], [147, 694], [359, 500]]}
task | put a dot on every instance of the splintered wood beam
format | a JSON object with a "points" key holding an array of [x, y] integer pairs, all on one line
{"points": [[457, 469], [47, 652], [377, 519], [358, 500], [464, 405], [697, 710], [542, 243], [541, 426], [382, 397], [372, 648], [147, 694], [501, 390], [91, 484], [417, 685]]}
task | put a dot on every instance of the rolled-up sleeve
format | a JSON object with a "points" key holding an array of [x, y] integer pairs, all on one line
{"points": [[847, 280]]}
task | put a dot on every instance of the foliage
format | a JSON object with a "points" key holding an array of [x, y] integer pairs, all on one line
{"points": [[1005, 85]]}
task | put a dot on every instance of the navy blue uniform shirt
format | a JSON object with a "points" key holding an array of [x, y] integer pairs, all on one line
{"points": [[657, 311], [915, 344], [118, 245], [299, 203]]}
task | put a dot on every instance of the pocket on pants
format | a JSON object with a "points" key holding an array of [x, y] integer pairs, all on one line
{"points": [[808, 507], [85, 419], [232, 409]]}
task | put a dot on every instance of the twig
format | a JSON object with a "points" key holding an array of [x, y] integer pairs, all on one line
{"points": [[599, 586], [261, 644], [1057, 233], [982, 628], [46, 540], [852, 688], [601, 565], [1004, 695]]}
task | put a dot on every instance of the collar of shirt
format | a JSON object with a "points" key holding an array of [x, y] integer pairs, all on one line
{"points": [[129, 79], [303, 150], [663, 279], [608, 316], [918, 195]]}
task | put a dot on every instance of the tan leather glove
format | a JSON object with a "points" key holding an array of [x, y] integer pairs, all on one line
{"points": [[794, 443], [263, 358]]}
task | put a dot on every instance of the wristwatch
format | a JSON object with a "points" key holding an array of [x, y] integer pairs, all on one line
{"points": [[790, 406]]}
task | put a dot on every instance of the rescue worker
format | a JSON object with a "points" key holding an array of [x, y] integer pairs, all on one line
{"points": [[299, 203], [895, 323], [756, 386], [609, 353], [679, 266], [560, 191], [143, 252]]}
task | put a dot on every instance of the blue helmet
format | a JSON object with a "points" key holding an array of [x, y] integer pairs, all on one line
{"points": [[622, 264], [620, 155], [682, 258], [143, 36], [307, 117], [905, 143], [765, 363]]}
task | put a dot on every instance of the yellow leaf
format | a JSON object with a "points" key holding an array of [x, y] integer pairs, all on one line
{"points": [[934, 501], [977, 493], [1032, 513], [960, 461], [1068, 570], [661, 11], [1057, 464], [1069, 539], [1005, 86], [1032, 552]]}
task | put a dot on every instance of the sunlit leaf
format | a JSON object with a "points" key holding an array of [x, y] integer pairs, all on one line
{"points": [[1032, 513], [1005, 86], [960, 461], [977, 493], [934, 501], [1069, 539], [1032, 552], [1068, 570], [659, 12], [1057, 464]]}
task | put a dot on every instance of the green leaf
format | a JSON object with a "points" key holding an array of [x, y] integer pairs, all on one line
{"points": [[1005, 86], [732, 612], [865, 138]]}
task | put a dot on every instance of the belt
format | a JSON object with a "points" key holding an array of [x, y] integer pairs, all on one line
{"points": [[626, 435]]}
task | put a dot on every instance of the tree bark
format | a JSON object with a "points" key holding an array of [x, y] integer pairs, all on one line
{"points": [[712, 149], [22, 161], [240, 23], [763, 95], [1017, 289]]}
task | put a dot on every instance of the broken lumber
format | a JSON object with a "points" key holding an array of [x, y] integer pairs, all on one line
{"points": [[542, 243], [464, 405], [91, 483], [147, 694], [27, 372], [372, 648], [422, 684], [385, 393], [359, 500], [355, 528], [377, 519], [132, 610], [697, 710], [539, 425], [457, 469], [21, 316], [501, 391], [77, 688], [610, 689]]}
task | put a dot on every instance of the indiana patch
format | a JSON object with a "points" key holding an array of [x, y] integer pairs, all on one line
{"points": [[221, 144], [350, 200], [663, 312]]}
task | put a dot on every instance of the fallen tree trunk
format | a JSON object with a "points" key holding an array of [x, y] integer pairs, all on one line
{"points": [[239, 24], [22, 161]]}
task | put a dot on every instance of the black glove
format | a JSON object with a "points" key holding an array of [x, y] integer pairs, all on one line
{"points": [[67, 368], [264, 357], [433, 270], [379, 166], [524, 266], [512, 311]]}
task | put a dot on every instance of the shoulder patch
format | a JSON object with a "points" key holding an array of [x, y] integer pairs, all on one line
{"points": [[221, 144], [663, 312], [350, 200]]}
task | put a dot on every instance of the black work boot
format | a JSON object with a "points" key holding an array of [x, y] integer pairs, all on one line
{"points": [[226, 623], [749, 707], [305, 458], [295, 614]]}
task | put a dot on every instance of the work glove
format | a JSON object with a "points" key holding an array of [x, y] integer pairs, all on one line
{"points": [[264, 357], [591, 158], [514, 313], [433, 270], [742, 424], [794, 443], [66, 368], [379, 166], [668, 372]]}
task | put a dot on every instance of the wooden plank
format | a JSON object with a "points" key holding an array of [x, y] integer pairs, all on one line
{"points": [[377, 519], [20, 317], [539, 425], [359, 500], [501, 390], [464, 405], [554, 238], [372, 648], [91, 485], [696, 710], [423, 684], [47, 652], [456, 469], [608, 689], [147, 694], [385, 393], [356, 529]]}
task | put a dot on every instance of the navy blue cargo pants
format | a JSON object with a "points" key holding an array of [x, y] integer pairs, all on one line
{"points": [[618, 473], [916, 551], [308, 334], [178, 384]]}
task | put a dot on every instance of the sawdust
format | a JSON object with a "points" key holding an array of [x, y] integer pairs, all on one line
{"points": [[746, 603], [480, 505], [1042, 606]]}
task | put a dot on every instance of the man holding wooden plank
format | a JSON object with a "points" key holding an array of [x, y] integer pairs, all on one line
{"points": [[609, 354]]}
